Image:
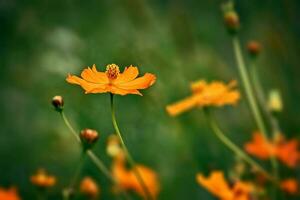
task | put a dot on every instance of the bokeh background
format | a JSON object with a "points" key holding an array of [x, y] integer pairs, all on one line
{"points": [[179, 41]]}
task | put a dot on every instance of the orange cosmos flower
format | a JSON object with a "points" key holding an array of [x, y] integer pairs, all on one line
{"points": [[285, 151], [89, 187], [128, 180], [289, 185], [204, 94], [42, 179], [112, 80], [217, 185], [260, 147], [9, 194]]}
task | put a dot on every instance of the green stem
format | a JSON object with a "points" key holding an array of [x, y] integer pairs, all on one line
{"points": [[250, 96], [96, 160], [127, 154], [100, 165], [70, 188], [227, 142], [66, 121], [262, 100]]}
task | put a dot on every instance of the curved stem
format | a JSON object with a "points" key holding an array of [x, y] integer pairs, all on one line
{"points": [[250, 96], [96, 160], [128, 155], [66, 121], [233, 147]]}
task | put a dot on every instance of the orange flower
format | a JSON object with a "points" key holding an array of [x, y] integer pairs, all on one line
{"points": [[112, 80], [128, 180], [9, 194], [42, 179], [260, 147], [286, 151], [204, 94], [217, 185], [290, 186], [89, 187]]}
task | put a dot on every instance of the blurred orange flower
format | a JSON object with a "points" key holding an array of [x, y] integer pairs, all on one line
{"points": [[285, 151], [89, 187], [42, 179], [289, 185], [128, 180], [260, 147], [9, 194], [204, 94], [217, 185], [112, 80]]}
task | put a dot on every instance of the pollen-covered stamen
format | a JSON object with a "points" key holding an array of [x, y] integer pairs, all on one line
{"points": [[112, 71]]}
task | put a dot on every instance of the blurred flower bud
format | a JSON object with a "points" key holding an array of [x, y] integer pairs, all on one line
{"points": [[232, 22], [89, 137], [42, 180], [275, 101], [231, 18], [89, 187], [113, 147], [253, 48], [58, 103]]}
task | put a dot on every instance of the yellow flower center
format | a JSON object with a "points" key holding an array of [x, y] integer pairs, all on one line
{"points": [[112, 71]]}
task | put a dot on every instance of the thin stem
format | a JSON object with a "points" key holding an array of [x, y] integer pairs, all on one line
{"points": [[128, 155], [66, 121], [250, 96], [262, 100], [74, 179], [96, 160], [233, 147], [100, 165]]}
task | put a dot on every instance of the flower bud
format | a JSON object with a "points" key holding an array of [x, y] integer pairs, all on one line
{"points": [[89, 187], [275, 101], [232, 22], [253, 48], [89, 137], [113, 147], [58, 103]]}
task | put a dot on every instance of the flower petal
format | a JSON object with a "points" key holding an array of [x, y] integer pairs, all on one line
{"points": [[216, 184], [114, 90], [87, 86], [183, 105], [92, 75], [288, 153], [129, 74], [139, 83]]}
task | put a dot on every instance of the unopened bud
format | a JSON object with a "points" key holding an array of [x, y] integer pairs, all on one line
{"points": [[58, 103], [89, 137], [275, 101], [253, 48], [232, 21]]}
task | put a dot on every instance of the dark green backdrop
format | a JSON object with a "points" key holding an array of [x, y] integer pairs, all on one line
{"points": [[180, 41]]}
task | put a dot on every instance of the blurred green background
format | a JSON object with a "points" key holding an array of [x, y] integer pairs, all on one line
{"points": [[180, 41]]}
